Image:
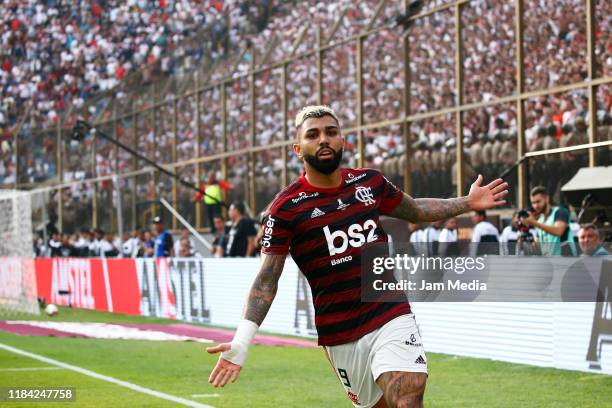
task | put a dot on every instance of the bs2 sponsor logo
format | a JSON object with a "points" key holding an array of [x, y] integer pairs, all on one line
{"points": [[268, 228], [355, 237]]}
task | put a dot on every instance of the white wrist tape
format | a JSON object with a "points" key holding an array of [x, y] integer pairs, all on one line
{"points": [[240, 344]]}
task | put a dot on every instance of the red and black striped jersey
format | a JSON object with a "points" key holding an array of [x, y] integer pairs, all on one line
{"points": [[324, 230]]}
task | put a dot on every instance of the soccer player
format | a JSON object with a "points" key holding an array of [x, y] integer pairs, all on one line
{"points": [[323, 219]]}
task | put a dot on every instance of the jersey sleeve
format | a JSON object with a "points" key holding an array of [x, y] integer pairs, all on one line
{"points": [[562, 215], [276, 234], [391, 196]]}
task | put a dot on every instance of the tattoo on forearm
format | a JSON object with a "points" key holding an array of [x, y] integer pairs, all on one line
{"points": [[264, 288], [429, 209]]}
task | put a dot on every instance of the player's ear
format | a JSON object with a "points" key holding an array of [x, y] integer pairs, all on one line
{"points": [[297, 149]]}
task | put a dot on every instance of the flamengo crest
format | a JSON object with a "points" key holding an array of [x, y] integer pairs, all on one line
{"points": [[364, 194]]}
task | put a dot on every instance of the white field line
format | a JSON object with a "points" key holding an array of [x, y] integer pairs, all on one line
{"points": [[106, 378], [30, 369]]}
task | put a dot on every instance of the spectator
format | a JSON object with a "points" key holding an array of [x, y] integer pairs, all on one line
{"points": [[417, 239], [590, 241], [147, 244], [55, 245], [164, 246], [510, 235], [241, 235], [185, 234], [220, 241], [484, 235], [108, 248], [432, 237], [82, 243], [131, 245], [448, 239], [213, 197], [553, 233], [67, 249], [185, 249], [94, 244]]}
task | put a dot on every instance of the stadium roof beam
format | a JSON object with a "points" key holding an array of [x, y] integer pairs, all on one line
{"points": [[334, 29], [376, 14], [268, 51], [592, 68], [298, 41], [521, 143], [459, 101], [407, 137]]}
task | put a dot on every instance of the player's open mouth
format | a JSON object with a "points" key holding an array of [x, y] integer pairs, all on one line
{"points": [[326, 153]]}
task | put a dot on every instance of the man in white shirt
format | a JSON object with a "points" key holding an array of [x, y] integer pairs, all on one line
{"points": [[448, 239], [417, 238], [432, 237], [483, 232], [185, 234], [510, 235], [130, 245]]}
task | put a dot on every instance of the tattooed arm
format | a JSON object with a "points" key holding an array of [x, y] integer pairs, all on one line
{"points": [[264, 288], [258, 303], [433, 209], [429, 209]]}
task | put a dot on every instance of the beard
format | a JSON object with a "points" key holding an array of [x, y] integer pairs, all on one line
{"points": [[544, 210], [325, 166]]}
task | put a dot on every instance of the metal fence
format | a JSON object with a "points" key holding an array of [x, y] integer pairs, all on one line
{"points": [[461, 64]]}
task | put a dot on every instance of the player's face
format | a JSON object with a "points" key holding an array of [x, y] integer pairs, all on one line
{"points": [[539, 202], [320, 144], [588, 240]]}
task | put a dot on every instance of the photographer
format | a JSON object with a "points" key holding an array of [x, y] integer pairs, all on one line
{"points": [[552, 225], [525, 235]]}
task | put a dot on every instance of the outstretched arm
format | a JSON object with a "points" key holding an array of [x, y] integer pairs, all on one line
{"points": [[264, 288], [258, 303], [434, 209]]}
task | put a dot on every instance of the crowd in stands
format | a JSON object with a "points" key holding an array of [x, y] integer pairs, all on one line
{"points": [[57, 54], [96, 243], [446, 238], [240, 237], [236, 237]]}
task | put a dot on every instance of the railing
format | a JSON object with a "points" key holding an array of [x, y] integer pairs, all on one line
{"points": [[235, 118]]}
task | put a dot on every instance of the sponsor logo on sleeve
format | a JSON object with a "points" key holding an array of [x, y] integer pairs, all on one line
{"points": [[268, 230], [303, 196]]}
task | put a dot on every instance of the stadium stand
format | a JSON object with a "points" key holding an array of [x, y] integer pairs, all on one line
{"points": [[62, 59]]}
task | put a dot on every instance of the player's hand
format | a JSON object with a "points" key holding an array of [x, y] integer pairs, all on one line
{"points": [[224, 370], [489, 196]]}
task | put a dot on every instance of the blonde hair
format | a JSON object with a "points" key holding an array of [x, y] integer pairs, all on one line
{"points": [[314, 111]]}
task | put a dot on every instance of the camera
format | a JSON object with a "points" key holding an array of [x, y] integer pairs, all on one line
{"points": [[524, 229]]}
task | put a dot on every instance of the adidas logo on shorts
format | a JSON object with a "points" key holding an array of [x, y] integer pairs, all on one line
{"points": [[316, 213], [420, 360]]}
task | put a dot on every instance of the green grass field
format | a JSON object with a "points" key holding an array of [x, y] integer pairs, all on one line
{"points": [[272, 377]]}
